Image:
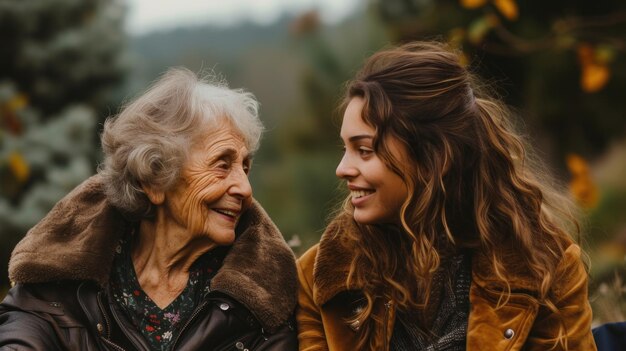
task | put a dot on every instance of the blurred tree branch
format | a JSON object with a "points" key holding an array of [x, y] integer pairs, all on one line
{"points": [[563, 31]]}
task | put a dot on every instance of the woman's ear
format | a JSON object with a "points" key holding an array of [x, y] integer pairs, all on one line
{"points": [[156, 196]]}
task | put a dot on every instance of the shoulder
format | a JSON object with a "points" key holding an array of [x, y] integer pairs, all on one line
{"points": [[56, 299], [571, 273], [31, 315], [306, 262], [568, 268], [20, 330], [571, 255]]}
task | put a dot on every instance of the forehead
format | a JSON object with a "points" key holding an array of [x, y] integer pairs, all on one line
{"points": [[353, 123], [354, 128], [221, 135]]}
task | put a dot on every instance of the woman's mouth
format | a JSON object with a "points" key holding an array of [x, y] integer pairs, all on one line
{"points": [[232, 215], [360, 196], [356, 194]]}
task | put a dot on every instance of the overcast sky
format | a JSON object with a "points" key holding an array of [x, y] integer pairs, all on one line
{"points": [[148, 15]]}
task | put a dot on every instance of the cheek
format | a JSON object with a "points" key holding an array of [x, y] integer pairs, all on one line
{"points": [[194, 203], [204, 188], [396, 192]]}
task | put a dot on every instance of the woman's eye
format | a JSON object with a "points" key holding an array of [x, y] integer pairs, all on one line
{"points": [[246, 168], [223, 165], [365, 151]]}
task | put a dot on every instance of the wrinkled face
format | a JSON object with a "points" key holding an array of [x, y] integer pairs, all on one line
{"points": [[377, 193], [213, 189]]}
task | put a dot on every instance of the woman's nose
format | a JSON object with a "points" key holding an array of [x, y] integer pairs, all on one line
{"points": [[241, 187], [345, 169]]}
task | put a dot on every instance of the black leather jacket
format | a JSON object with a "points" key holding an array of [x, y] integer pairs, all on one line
{"points": [[79, 316], [61, 300]]}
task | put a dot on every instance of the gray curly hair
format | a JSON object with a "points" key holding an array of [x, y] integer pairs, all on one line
{"points": [[149, 140]]}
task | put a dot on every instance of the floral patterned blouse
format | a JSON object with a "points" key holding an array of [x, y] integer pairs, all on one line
{"points": [[160, 326]]}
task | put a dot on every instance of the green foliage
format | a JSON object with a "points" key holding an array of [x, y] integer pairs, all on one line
{"points": [[59, 60]]}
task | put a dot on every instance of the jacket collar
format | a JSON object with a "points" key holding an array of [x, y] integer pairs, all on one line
{"points": [[332, 263], [77, 240], [334, 255]]}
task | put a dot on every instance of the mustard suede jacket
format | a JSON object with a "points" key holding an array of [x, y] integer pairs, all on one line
{"points": [[325, 303]]}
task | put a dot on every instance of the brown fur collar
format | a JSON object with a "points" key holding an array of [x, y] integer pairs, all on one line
{"points": [[77, 241], [332, 263], [334, 255]]}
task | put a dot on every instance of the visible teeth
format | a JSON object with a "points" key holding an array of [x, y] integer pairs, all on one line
{"points": [[227, 212], [359, 193]]}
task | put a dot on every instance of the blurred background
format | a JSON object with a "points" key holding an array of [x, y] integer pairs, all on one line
{"points": [[65, 65]]}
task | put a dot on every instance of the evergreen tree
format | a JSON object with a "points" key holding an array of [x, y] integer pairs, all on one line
{"points": [[59, 60]]}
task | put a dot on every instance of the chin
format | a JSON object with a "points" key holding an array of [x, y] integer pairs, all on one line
{"points": [[223, 239], [373, 217], [364, 218]]}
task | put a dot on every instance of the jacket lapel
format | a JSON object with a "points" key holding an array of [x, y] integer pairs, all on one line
{"points": [[332, 264], [260, 270]]}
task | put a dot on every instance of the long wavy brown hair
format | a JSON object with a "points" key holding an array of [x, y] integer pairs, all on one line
{"points": [[472, 183]]}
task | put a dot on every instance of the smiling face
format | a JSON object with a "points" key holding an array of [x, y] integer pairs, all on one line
{"points": [[213, 189], [377, 192]]}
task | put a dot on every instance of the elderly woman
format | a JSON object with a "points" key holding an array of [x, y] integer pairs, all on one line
{"points": [[164, 249]]}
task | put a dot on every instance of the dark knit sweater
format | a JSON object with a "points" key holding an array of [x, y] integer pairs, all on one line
{"points": [[448, 327]]}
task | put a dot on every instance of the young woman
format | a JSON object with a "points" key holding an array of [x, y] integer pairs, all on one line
{"points": [[448, 240]]}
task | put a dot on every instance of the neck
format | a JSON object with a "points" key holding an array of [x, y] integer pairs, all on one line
{"points": [[162, 255]]}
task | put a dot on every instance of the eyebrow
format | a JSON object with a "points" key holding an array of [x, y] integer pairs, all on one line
{"points": [[360, 137], [232, 153]]}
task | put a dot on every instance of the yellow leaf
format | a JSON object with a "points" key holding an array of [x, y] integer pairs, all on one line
{"points": [[508, 8], [17, 102], [577, 165], [19, 167], [581, 186], [595, 72], [594, 77], [472, 4], [585, 191]]}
